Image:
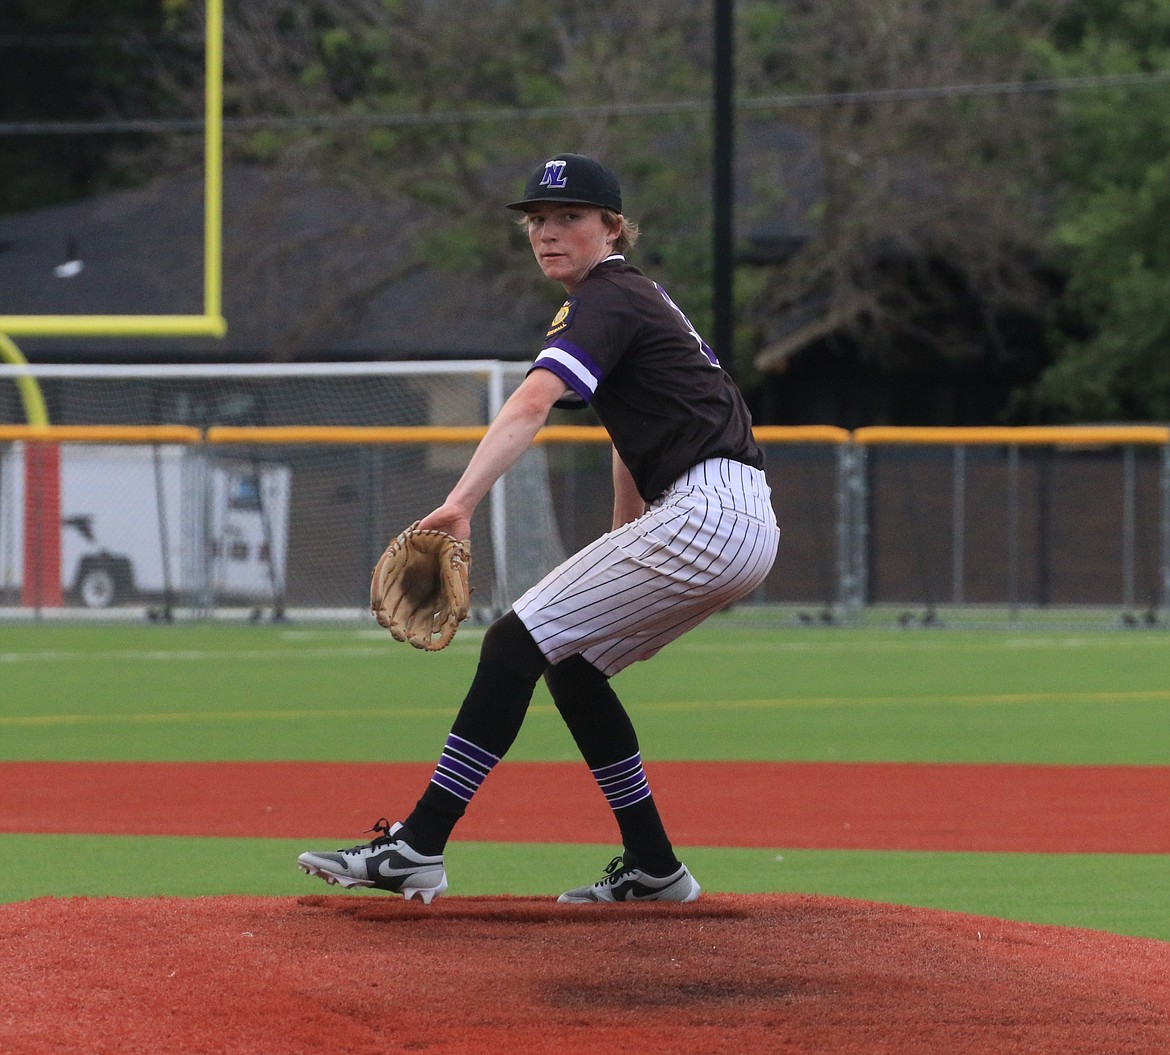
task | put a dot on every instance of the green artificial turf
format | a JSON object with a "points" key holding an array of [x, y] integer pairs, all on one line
{"points": [[1120, 893], [229, 692], [736, 688]]}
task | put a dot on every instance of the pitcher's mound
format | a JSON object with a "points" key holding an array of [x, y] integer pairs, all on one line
{"points": [[731, 973]]}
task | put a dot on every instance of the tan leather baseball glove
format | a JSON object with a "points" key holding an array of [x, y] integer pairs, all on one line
{"points": [[419, 590]]}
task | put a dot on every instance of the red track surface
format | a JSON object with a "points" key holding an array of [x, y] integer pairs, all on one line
{"points": [[1054, 809], [479, 976]]}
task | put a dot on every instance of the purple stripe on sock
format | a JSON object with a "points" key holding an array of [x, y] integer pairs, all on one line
{"points": [[469, 773], [475, 754], [457, 789], [617, 787], [462, 767], [619, 774], [623, 783], [618, 768], [628, 800]]}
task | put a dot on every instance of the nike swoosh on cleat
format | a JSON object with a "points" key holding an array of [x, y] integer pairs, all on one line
{"points": [[634, 891]]}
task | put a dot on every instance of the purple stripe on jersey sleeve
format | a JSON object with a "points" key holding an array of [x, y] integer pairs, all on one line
{"points": [[573, 365]]}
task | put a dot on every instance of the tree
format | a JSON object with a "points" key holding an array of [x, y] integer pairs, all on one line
{"points": [[1114, 218], [68, 60], [442, 107], [912, 231], [923, 245], [913, 214]]}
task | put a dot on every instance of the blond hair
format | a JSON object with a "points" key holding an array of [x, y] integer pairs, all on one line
{"points": [[627, 230]]}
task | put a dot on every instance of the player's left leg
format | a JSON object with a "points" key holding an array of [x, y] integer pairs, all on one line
{"points": [[648, 869]]}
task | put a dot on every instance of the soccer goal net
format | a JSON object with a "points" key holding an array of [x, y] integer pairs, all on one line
{"points": [[270, 486]]}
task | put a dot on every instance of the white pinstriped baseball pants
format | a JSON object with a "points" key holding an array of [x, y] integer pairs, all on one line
{"points": [[709, 540]]}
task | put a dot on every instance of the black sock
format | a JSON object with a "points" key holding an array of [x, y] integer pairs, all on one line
{"points": [[486, 726], [607, 741]]}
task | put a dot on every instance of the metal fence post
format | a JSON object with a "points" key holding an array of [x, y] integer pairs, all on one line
{"points": [[1128, 527], [1165, 599], [499, 493], [1014, 530], [958, 524], [852, 529]]}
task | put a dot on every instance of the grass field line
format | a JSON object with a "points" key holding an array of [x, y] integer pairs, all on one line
{"points": [[936, 699], [764, 644], [812, 641], [916, 645], [191, 717], [665, 706], [970, 699], [199, 655]]}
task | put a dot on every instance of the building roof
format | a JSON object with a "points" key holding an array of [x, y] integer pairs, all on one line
{"points": [[310, 270]]}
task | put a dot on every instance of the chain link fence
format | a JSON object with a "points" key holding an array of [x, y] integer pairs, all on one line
{"points": [[273, 490]]}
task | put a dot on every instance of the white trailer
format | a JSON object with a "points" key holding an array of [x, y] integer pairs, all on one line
{"points": [[142, 523]]}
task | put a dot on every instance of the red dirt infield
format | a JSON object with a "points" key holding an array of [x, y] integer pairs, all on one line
{"points": [[995, 808], [486, 975], [469, 976]]}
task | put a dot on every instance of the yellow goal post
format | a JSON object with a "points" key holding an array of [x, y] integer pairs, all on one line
{"points": [[211, 322]]}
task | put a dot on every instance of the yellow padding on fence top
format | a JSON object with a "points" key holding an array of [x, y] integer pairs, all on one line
{"points": [[801, 434], [310, 434], [873, 435], [102, 433], [472, 434], [1060, 435]]}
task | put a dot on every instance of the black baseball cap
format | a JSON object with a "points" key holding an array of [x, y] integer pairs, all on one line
{"points": [[572, 178]]}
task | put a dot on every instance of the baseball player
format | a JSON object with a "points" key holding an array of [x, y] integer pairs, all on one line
{"points": [[693, 530]]}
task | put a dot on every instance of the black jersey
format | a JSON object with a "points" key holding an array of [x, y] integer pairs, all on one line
{"points": [[625, 349]]}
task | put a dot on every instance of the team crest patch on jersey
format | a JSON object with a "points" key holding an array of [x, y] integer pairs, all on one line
{"points": [[563, 317]]}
